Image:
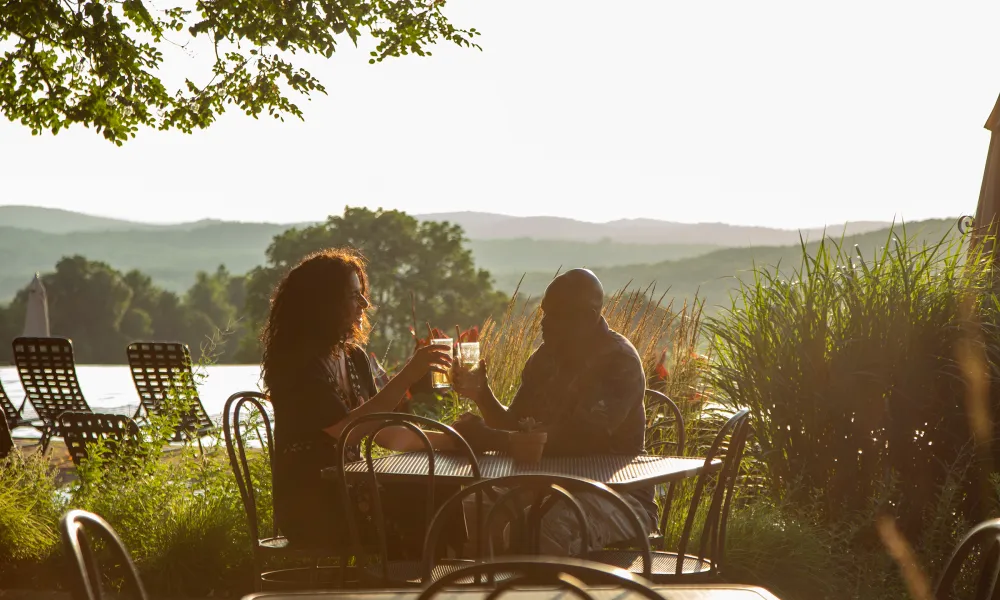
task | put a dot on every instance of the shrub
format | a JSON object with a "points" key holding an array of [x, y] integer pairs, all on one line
{"points": [[850, 367]]}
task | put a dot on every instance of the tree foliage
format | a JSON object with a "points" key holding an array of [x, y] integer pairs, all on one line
{"points": [[97, 62], [103, 310], [426, 259]]}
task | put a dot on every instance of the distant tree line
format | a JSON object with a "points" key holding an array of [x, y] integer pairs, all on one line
{"points": [[424, 267]]}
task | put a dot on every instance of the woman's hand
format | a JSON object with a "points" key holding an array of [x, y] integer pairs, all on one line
{"points": [[470, 384], [427, 358]]}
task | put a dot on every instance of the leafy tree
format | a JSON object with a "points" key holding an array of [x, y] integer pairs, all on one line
{"points": [[102, 311], [96, 62], [429, 260], [87, 302], [210, 295]]}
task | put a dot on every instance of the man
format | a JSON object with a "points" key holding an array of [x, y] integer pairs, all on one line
{"points": [[585, 385]]}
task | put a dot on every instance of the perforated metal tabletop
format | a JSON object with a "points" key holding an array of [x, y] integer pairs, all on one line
{"points": [[619, 471], [667, 592]]}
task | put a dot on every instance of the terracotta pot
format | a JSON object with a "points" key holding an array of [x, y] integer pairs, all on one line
{"points": [[527, 447]]}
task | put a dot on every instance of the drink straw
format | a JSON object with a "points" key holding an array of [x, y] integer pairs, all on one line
{"points": [[458, 343]]}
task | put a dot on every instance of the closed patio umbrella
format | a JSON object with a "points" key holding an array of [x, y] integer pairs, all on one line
{"points": [[986, 222], [36, 318]]}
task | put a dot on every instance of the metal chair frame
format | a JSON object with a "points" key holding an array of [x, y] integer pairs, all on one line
{"points": [[548, 489], [80, 429], [985, 535], [85, 576], [572, 575], [411, 423], [277, 545], [47, 370], [662, 400], [730, 441], [160, 369]]}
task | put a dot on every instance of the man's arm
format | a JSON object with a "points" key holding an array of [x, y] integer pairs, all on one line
{"points": [[618, 389], [495, 414], [477, 388]]}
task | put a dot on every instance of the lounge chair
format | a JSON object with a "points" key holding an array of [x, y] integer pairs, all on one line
{"points": [[80, 429], [48, 373], [161, 369]]}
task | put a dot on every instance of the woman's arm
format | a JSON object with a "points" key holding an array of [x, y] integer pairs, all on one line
{"points": [[401, 439], [427, 358]]}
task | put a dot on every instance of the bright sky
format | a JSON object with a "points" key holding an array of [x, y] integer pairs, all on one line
{"points": [[785, 114]]}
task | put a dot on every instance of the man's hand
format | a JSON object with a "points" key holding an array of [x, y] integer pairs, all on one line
{"points": [[470, 384], [478, 435]]}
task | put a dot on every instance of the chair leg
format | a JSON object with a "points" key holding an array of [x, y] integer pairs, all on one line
{"points": [[258, 578], [341, 570], [314, 574], [46, 437]]}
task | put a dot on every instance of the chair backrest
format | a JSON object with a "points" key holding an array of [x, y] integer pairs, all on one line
{"points": [[375, 423], [546, 489], [569, 574], [80, 429], [48, 375], [12, 416], [162, 369], [728, 445], [85, 573], [984, 537], [233, 424], [663, 411]]}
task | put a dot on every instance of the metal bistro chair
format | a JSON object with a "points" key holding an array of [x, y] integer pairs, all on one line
{"points": [[984, 537], [706, 564], [384, 571], [276, 546], [48, 374], [161, 370], [81, 429], [572, 575], [85, 573], [545, 490]]}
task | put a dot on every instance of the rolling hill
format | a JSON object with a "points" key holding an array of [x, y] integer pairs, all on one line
{"points": [[485, 226], [478, 226], [172, 256], [714, 275]]}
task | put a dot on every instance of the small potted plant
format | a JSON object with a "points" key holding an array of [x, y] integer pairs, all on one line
{"points": [[527, 444]]}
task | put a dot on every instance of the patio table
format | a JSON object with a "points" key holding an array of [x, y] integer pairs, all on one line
{"points": [[668, 592], [619, 471]]}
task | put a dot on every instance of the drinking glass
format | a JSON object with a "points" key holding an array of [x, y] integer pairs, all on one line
{"points": [[468, 355], [440, 380]]}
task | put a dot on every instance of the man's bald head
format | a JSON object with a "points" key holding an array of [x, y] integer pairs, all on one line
{"points": [[571, 306], [575, 289]]}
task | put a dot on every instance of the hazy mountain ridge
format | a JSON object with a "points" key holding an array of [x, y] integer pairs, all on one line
{"points": [[173, 254], [486, 226], [480, 226], [714, 275]]}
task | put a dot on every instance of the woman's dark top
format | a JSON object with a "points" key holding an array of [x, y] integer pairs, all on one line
{"points": [[307, 508]]}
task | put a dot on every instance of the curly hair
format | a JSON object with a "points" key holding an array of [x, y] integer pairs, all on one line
{"points": [[310, 313]]}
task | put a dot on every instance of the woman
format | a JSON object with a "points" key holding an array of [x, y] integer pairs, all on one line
{"points": [[319, 379]]}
